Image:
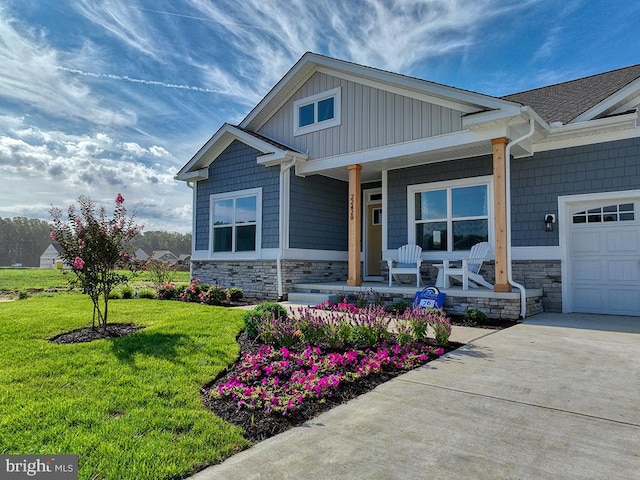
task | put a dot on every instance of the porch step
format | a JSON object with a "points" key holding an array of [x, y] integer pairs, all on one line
{"points": [[307, 298]]}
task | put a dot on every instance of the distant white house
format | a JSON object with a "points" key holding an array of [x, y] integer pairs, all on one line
{"points": [[50, 256]]}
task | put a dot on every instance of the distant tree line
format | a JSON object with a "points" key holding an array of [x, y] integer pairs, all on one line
{"points": [[22, 240]]}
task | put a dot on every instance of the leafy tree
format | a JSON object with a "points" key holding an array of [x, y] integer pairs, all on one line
{"points": [[96, 247], [22, 240]]}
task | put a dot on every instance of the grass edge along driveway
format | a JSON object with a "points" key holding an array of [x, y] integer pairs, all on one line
{"points": [[130, 407]]}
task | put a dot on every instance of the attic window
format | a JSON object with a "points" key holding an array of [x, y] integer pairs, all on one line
{"points": [[316, 112]]}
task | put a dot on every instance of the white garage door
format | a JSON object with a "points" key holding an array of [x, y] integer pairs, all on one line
{"points": [[604, 257]]}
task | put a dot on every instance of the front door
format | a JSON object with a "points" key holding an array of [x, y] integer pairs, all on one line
{"points": [[373, 233]]}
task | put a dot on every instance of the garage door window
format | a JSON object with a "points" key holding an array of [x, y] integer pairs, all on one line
{"points": [[621, 212]]}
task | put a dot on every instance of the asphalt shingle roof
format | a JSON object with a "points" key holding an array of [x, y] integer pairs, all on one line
{"points": [[565, 101]]}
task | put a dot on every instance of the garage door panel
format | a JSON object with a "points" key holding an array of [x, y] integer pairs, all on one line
{"points": [[586, 270], [588, 299], [623, 300], [586, 242], [622, 271], [622, 241]]}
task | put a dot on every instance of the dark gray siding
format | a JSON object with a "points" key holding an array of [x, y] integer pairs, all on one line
{"points": [[399, 180], [236, 169], [537, 182], [318, 213]]}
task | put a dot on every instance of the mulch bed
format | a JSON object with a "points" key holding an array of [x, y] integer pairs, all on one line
{"points": [[89, 334], [490, 323]]}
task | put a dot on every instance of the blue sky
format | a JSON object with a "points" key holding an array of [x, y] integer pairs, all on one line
{"points": [[99, 97]]}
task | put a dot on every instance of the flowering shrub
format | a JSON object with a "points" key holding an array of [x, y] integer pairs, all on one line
{"points": [[441, 325], [192, 292], [96, 247], [166, 291], [214, 295], [278, 380]]}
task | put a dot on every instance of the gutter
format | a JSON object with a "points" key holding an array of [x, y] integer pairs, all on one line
{"points": [[523, 292], [283, 222]]}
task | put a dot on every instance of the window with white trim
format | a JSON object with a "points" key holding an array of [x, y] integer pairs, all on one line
{"points": [[450, 216], [236, 221], [316, 112]]}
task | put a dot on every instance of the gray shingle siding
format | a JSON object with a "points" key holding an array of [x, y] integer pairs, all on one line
{"points": [[399, 180], [538, 181], [318, 213], [236, 169]]}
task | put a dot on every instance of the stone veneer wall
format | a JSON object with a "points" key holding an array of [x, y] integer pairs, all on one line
{"points": [[259, 279], [530, 273]]}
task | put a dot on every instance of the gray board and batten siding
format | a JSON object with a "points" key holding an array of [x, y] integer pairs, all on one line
{"points": [[370, 118], [237, 169]]}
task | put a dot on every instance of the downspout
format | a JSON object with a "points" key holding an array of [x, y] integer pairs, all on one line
{"points": [[283, 229], [192, 185], [523, 292]]}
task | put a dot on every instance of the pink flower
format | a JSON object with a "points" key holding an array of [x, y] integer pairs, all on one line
{"points": [[53, 235], [119, 199], [78, 263]]}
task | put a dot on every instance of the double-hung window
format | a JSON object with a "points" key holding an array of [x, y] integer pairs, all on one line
{"points": [[236, 221], [450, 216], [316, 112]]}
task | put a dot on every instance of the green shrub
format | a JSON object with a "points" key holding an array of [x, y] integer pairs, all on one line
{"points": [[399, 306], [127, 292], [235, 294], [23, 295], [146, 293], [262, 312], [475, 315], [114, 295]]}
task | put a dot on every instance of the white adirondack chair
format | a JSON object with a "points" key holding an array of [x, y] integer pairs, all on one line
{"points": [[468, 271], [408, 263]]}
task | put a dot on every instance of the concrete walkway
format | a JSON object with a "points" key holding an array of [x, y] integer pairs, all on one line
{"points": [[557, 397]]}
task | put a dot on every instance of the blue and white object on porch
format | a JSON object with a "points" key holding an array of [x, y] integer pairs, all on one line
{"points": [[429, 297]]}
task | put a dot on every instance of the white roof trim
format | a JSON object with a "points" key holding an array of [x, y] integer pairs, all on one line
{"points": [[217, 144], [611, 102]]}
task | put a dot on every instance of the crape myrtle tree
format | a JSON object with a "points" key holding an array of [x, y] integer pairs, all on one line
{"points": [[97, 248]]}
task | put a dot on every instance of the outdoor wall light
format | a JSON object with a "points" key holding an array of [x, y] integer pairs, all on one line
{"points": [[549, 220]]}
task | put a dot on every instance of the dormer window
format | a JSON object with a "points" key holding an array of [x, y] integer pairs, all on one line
{"points": [[316, 112]]}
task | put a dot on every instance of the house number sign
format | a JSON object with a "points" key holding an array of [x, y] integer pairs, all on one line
{"points": [[352, 201]]}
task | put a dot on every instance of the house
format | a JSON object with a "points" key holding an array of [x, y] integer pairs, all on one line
{"points": [[141, 255], [51, 258], [165, 256], [340, 164], [184, 259]]}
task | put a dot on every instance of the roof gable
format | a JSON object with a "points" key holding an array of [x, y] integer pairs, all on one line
{"points": [[585, 98], [196, 168], [431, 92]]}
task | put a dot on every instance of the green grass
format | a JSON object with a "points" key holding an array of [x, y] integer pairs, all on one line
{"points": [[14, 279], [129, 407]]}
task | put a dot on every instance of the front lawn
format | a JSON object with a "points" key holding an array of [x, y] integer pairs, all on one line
{"points": [[129, 407], [14, 279]]}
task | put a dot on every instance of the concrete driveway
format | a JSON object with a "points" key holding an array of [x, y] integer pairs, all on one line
{"points": [[557, 397]]}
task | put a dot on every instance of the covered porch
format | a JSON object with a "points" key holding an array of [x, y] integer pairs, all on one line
{"points": [[503, 305]]}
